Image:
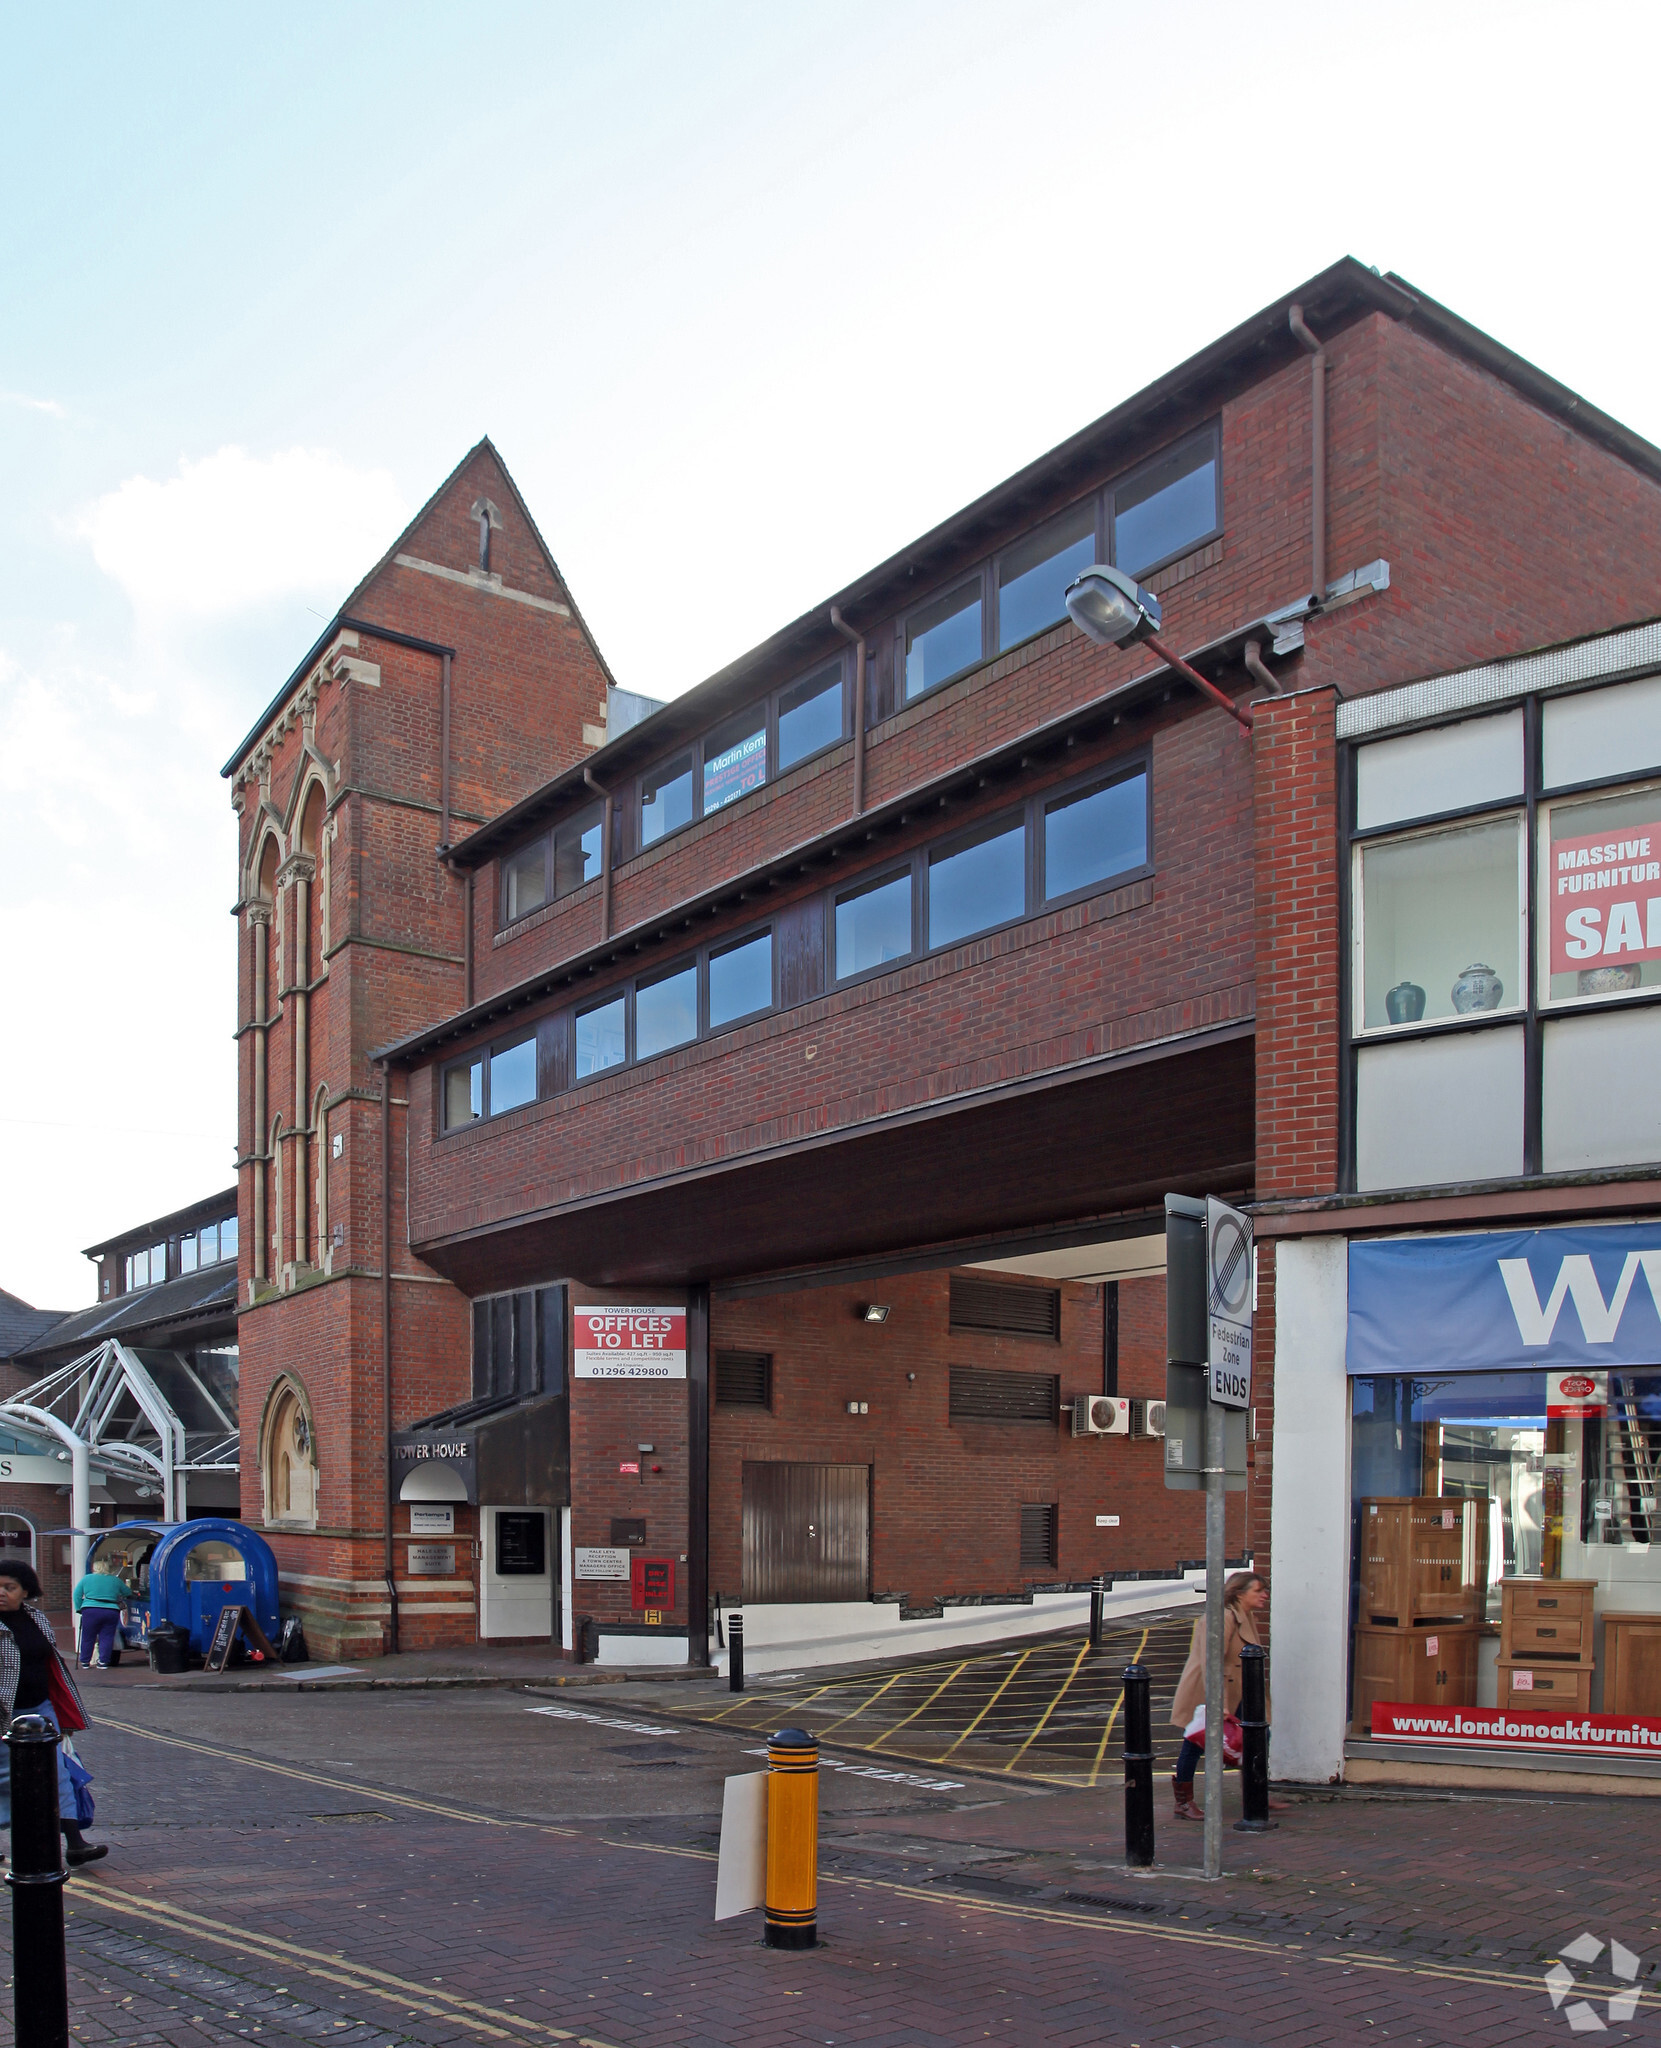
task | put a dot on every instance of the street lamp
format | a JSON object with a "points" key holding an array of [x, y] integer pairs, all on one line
{"points": [[1114, 610]]}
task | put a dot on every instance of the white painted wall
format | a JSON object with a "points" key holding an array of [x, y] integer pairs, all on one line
{"points": [[1309, 1558]]}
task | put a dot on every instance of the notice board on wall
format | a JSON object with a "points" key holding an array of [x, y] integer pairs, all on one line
{"points": [[652, 1582], [628, 1343]]}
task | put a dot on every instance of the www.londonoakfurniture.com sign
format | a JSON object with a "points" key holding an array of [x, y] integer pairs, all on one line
{"points": [[628, 1343], [1507, 1299], [1504, 1728]]}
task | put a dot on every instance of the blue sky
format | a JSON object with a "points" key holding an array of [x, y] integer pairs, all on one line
{"points": [[746, 296]]}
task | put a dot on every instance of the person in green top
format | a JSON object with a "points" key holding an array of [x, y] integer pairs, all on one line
{"points": [[99, 1599]]}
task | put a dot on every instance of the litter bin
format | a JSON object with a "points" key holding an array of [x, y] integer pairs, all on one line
{"points": [[167, 1649]]}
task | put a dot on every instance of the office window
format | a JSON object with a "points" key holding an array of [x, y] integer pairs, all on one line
{"points": [[513, 1076], [810, 715], [665, 1011], [1601, 893], [600, 1037], [187, 1252], [1092, 834], [527, 881], [1034, 574], [1440, 929], [981, 884], [666, 799], [577, 850], [1167, 507], [735, 759], [942, 638], [740, 980], [873, 925], [463, 1093], [147, 1268], [227, 1238]]}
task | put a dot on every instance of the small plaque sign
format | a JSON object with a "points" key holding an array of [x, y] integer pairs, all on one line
{"points": [[432, 1521], [602, 1564], [432, 1560]]}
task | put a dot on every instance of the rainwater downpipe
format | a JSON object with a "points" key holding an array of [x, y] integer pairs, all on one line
{"points": [[444, 754], [1258, 669], [386, 1346], [1317, 459], [858, 639], [605, 854]]}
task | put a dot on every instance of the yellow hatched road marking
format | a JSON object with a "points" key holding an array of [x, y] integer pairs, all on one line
{"points": [[929, 1702], [1101, 1747], [854, 1716], [1043, 1720], [255, 1763], [334, 1969], [990, 1704]]}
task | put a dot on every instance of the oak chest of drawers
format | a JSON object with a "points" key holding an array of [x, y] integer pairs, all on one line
{"points": [[1423, 1559], [1542, 1618]]}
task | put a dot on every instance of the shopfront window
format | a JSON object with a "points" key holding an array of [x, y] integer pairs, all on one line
{"points": [[1440, 929], [1600, 888]]}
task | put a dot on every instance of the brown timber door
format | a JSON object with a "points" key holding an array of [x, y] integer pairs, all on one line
{"points": [[807, 1532]]}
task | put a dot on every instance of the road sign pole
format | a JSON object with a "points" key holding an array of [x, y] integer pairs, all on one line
{"points": [[1214, 1673]]}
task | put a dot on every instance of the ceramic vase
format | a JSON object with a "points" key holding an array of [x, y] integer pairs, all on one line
{"points": [[1405, 1003], [1478, 988]]}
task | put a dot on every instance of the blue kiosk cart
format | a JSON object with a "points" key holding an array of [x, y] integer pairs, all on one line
{"points": [[185, 1572]]}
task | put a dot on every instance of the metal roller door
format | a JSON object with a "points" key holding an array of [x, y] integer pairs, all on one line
{"points": [[807, 1532]]}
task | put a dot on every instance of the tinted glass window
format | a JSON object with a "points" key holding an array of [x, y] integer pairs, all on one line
{"points": [[463, 1094], [1095, 833], [577, 851], [1033, 576], [735, 759], [527, 880], [874, 926], [981, 884], [227, 1237], [665, 1012], [1172, 504], [513, 1076], [600, 1037], [187, 1254], [942, 638], [810, 715], [740, 980], [666, 799]]}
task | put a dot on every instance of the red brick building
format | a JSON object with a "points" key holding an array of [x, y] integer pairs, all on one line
{"points": [[901, 967]]}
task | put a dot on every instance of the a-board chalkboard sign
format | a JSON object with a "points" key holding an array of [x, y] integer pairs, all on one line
{"points": [[231, 1619]]}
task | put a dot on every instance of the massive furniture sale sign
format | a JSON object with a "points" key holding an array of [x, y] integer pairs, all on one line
{"points": [[628, 1343], [1606, 899]]}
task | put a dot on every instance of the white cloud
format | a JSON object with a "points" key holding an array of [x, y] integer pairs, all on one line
{"points": [[235, 530], [22, 398]]}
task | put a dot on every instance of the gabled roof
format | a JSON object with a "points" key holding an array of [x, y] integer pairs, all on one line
{"points": [[207, 1296], [348, 605], [21, 1325], [1332, 301]]}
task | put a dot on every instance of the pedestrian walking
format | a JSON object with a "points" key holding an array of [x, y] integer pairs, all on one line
{"points": [[34, 1680], [1245, 1597], [100, 1600]]}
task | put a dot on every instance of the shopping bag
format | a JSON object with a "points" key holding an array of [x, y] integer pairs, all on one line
{"points": [[81, 1778], [62, 1695], [1234, 1742]]}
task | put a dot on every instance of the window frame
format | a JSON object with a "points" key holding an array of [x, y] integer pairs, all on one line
{"points": [[1095, 500], [1566, 798], [995, 826], [1139, 762], [483, 1055], [586, 1008], [1211, 432], [977, 575], [545, 841], [860, 885], [653, 977]]}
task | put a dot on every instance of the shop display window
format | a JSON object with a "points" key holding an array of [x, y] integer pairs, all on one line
{"points": [[1600, 896], [1521, 1507], [1439, 924]]}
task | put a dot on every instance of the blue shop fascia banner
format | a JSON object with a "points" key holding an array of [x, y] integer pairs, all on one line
{"points": [[1501, 1300]]}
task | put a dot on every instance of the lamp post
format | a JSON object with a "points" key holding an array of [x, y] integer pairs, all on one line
{"points": [[1115, 611]]}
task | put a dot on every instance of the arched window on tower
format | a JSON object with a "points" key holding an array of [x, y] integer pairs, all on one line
{"points": [[288, 1465]]}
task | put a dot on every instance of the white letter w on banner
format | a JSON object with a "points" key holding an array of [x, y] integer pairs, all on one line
{"points": [[1599, 1321]]}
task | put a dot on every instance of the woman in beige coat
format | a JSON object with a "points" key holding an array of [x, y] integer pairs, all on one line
{"points": [[1245, 1597]]}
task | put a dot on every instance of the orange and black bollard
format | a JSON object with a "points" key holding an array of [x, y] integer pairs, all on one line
{"points": [[792, 1840]]}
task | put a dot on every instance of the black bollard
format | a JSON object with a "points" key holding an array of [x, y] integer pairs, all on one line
{"points": [[735, 1652], [1138, 1767], [41, 1985], [1254, 1742], [1097, 1590]]}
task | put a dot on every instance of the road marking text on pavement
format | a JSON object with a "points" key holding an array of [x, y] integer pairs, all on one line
{"points": [[835, 1763]]}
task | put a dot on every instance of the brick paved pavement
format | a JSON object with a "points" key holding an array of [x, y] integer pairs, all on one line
{"points": [[463, 1869]]}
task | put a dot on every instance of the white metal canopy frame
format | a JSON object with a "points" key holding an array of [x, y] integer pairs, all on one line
{"points": [[107, 1408]]}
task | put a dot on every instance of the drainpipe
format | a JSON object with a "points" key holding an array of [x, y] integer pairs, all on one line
{"points": [[467, 945], [1255, 667], [444, 755], [858, 639], [386, 1345], [605, 855], [1317, 460], [259, 931]]}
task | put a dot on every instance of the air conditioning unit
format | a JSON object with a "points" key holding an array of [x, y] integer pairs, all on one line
{"points": [[1147, 1418], [1101, 1415]]}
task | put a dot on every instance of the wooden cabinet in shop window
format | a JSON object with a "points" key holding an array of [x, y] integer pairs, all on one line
{"points": [[1413, 1667], [1423, 1559], [1546, 1618], [1540, 1686], [1632, 1663]]}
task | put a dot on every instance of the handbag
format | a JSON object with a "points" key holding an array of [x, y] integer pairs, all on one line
{"points": [[62, 1695]]}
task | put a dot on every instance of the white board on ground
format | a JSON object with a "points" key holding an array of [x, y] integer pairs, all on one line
{"points": [[741, 1874]]}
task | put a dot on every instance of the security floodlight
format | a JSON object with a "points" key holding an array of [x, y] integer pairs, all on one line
{"points": [[1114, 610], [1111, 607], [873, 1311]]}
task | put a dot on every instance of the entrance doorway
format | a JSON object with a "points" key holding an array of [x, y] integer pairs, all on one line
{"points": [[807, 1532], [17, 1541], [516, 1573]]}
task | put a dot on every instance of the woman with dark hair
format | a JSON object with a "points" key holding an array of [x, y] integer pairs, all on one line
{"points": [[1245, 1596], [29, 1663]]}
